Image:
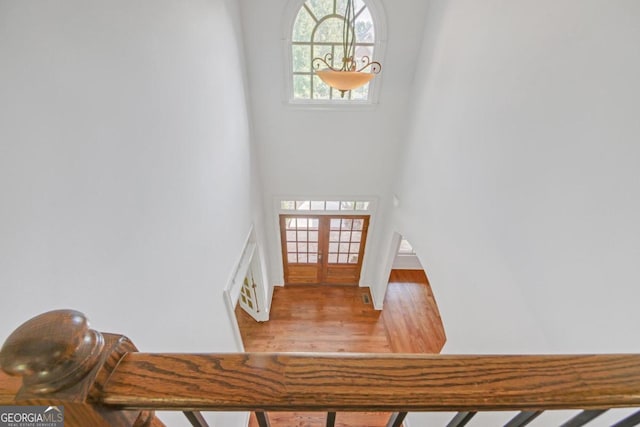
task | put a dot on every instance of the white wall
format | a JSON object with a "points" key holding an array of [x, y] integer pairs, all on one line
{"points": [[125, 188], [521, 181], [328, 153]]}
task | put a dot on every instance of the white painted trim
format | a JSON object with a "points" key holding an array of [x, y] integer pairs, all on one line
{"points": [[396, 238], [250, 254]]}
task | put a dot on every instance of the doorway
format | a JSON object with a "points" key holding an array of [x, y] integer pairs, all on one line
{"points": [[326, 249]]}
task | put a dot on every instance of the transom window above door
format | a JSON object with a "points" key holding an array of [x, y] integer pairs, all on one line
{"points": [[325, 205]]}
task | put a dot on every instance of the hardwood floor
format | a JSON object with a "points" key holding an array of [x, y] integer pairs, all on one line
{"points": [[321, 318]]}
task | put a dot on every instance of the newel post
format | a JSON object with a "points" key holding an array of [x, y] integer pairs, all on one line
{"points": [[63, 362]]}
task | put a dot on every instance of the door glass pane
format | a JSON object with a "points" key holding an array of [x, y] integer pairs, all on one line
{"points": [[344, 247], [342, 258], [292, 257], [335, 223], [345, 236], [302, 258], [357, 235], [353, 258], [291, 247], [333, 247], [302, 236], [313, 247], [302, 247], [355, 247], [333, 258], [346, 224], [313, 236], [291, 236], [313, 258], [358, 224], [313, 223], [334, 236]]}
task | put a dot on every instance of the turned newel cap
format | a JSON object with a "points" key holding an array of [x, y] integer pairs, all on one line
{"points": [[51, 351]]}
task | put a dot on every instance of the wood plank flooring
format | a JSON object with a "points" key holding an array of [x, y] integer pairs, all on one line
{"points": [[321, 318]]}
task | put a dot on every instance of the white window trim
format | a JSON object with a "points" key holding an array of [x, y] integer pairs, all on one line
{"points": [[378, 16]]}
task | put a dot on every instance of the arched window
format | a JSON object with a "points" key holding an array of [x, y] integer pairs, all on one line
{"points": [[317, 31]]}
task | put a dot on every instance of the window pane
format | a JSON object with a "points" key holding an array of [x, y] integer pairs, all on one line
{"points": [[320, 89], [302, 87], [333, 258], [303, 26], [364, 27], [346, 206], [329, 31], [287, 204], [302, 205], [362, 206], [333, 206], [320, 8], [317, 205], [301, 58], [361, 93]]}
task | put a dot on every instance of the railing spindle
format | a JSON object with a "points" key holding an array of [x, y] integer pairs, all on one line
{"points": [[331, 419], [461, 419], [630, 421], [583, 418], [396, 419], [523, 418], [263, 419], [195, 418]]}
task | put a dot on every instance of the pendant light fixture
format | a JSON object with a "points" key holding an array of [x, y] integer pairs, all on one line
{"points": [[352, 74]]}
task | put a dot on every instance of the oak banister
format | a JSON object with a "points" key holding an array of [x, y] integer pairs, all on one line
{"points": [[62, 361], [102, 380]]}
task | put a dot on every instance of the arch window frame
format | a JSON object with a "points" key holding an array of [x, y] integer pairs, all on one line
{"points": [[374, 8]]}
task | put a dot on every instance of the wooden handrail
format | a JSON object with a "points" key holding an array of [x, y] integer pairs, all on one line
{"points": [[366, 382], [102, 380]]}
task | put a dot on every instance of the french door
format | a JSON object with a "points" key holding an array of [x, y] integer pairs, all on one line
{"points": [[323, 248]]}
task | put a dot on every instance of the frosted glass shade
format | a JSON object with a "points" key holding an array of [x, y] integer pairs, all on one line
{"points": [[344, 80]]}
